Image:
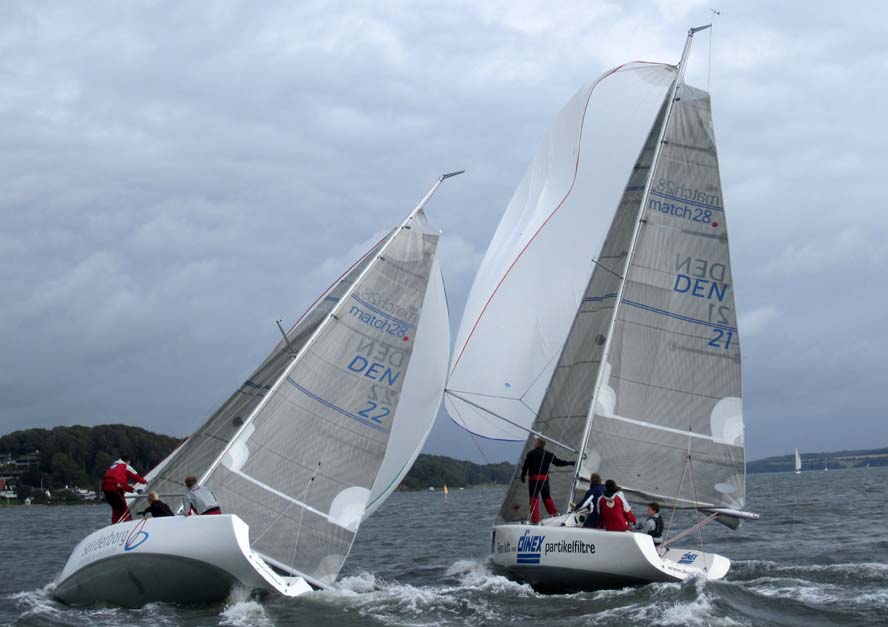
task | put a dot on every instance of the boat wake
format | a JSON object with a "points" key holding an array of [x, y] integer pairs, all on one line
{"points": [[470, 592]]}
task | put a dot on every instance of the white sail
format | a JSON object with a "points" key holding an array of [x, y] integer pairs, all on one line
{"points": [[536, 270], [798, 462], [328, 425], [421, 394]]}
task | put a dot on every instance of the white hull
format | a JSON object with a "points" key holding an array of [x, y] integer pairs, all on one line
{"points": [[192, 559], [555, 558]]}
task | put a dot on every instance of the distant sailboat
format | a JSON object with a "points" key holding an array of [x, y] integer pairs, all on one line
{"points": [[798, 463]]}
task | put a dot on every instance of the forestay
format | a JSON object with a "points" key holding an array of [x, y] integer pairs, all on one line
{"points": [[535, 273], [668, 417]]}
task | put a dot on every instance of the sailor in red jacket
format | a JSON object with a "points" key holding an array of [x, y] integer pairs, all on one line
{"points": [[537, 464], [614, 513], [115, 483]]}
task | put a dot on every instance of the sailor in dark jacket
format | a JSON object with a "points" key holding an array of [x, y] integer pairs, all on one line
{"points": [[156, 507], [536, 470], [590, 500]]}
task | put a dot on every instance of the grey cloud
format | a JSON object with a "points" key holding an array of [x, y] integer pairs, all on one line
{"points": [[176, 176]]}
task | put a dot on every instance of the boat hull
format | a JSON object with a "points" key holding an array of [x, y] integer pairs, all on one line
{"points": [[194, 559], [564, 559]]}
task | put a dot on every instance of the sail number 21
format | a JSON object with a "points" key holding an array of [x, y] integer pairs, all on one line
{"points": [[721, 338]]}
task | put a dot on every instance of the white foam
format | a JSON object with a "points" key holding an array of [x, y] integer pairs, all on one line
{"points": [[476, 575], [242, 611]]}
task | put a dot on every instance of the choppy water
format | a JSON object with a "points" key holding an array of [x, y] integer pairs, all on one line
{"points": [[817, 557]]}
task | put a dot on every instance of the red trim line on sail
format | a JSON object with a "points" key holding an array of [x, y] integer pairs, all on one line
{"points": [[554, 211]]}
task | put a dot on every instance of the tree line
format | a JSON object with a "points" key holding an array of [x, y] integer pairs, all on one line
{"points": [[78, 457]]}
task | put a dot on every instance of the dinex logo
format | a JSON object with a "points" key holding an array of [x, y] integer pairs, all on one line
{"points": [[529, 547]]}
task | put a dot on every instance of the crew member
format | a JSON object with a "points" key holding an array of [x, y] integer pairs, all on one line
{"points": [[653, 524], [156, 507], [115, 484], [590, 500], [614, 513], [198, 500], [537, 464]]}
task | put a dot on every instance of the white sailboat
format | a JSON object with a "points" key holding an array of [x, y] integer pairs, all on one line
{"points": [[798, 463], [310, 445], [602, 319]]}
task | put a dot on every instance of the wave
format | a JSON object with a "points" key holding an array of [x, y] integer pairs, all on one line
{"points": [[241, 610]]}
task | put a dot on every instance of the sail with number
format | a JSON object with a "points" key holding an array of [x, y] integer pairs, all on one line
{"points": [[603, 317], [327, 426]]}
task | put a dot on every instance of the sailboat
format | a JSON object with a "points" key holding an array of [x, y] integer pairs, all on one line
{"points": [[798, 463], [602, 319], [308, 447]]}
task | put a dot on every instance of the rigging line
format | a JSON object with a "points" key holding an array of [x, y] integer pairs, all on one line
{"points": [[514, 424], [604, 267], [709, 65], [689, 530], [675, 504], [696, 509], [477, 446]]}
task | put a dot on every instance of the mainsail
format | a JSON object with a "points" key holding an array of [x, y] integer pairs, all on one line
{"points": [[644, 385], [301, 451], [798, 462]]}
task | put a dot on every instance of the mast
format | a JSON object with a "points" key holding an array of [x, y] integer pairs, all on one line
{"points": [[673, 97], [332, 315]]}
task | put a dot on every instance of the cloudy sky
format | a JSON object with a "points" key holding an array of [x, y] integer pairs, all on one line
{"points": [[175, 176]]}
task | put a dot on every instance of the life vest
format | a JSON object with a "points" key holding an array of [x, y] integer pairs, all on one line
{"points": [[658, 526]]}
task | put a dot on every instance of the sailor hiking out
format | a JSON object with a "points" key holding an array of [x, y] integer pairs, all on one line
{"points": [[115, 484], [198, 500], [536, 471]]}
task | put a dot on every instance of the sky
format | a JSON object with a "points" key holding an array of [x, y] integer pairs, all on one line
{"points": [[176, 176]]}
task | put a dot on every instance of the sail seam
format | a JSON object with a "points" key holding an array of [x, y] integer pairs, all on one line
{"points": [[664, 312], [335, 408]]}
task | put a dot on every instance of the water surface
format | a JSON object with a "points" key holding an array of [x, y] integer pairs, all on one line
{"points": [[817, 557]]}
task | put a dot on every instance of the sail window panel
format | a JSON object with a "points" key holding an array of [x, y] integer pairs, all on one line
{"points": [[652, 460]]}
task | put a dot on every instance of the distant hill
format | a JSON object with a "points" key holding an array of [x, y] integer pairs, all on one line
{"points": [[818, 461], [78, 456], [437, 471]]}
